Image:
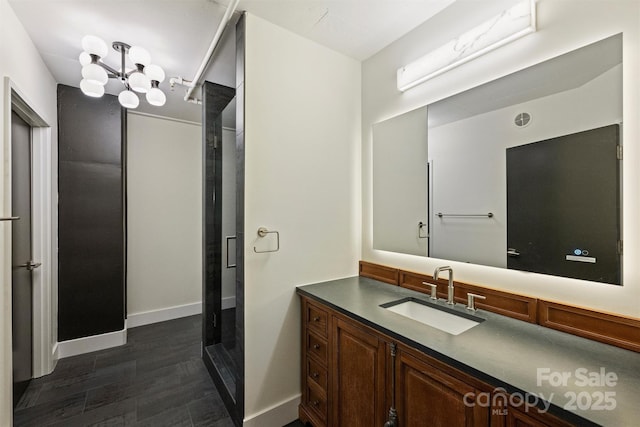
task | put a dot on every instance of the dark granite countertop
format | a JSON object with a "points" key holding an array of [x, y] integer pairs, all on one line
{"points": [[601, 384]]}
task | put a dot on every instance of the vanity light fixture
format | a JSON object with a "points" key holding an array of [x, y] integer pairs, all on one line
{"points": [[144, 77], [509, 25]]}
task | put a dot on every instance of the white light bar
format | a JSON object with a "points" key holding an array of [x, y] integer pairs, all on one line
{"points": [[504, 28]]}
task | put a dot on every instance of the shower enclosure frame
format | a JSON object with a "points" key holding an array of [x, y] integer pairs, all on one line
{"points": [[215, 98]]}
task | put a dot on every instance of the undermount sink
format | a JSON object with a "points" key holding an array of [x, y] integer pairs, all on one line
{"points": [[443, 318]]}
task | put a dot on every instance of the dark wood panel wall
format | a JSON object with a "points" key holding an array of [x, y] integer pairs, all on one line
{"points": [[91, 211]]}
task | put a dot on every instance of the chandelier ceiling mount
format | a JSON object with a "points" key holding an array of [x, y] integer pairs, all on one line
{"points": [[143, 77]]}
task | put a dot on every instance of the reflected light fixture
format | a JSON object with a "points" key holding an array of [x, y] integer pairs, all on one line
{"points": [[509, 25], [144, 77]]}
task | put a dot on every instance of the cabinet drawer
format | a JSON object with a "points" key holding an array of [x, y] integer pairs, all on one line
{"points": [[317, 347], [317, 373], [317, 401], [317, 319]]}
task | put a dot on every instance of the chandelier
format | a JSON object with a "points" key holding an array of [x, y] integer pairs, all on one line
{"points": [[144, 77]]}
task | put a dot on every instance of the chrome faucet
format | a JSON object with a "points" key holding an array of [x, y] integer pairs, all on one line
{"points": [[450, 286]]}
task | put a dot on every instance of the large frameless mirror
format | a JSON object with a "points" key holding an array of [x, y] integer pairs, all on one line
{"points": [[523, 172]]}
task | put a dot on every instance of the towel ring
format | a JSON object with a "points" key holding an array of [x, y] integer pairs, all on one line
{"points": [[262, 232]]}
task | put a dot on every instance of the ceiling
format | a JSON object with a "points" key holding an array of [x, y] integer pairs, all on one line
{"points": [[177, 33], [357, 28]]}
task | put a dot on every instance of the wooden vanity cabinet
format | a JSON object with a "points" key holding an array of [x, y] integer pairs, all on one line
{"points": [[357, 376], [315, 377], [523, 416], [348, 380], [515, 418], [343, 371], [428, 395]]}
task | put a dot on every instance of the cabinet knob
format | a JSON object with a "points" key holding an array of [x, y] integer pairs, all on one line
{"points": [[316, 319], [316, 346], [315, 375], [316, 403]]}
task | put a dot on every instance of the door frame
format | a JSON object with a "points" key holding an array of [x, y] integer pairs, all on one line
{"points": [[43, 238]]}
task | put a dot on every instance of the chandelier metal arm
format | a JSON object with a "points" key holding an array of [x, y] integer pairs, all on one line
{"points": [[131, 72], [122, 75], [113, 72], [144, 78]]}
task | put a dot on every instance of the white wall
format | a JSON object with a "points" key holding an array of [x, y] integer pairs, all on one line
{"points": [[562, 26], [302, 178], [470, 163], [20, 61], [164, 214]]}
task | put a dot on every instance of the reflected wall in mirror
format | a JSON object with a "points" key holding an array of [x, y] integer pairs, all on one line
{"points": [[460, 182], [399, 183]]}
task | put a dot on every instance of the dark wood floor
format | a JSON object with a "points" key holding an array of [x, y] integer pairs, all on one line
{"points": [[157, 379]]}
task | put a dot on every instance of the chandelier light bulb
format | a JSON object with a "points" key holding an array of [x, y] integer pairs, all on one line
{"points": [[84, 58], [143, 78], [154, 72], [95, 46], [95, 74], [128, 99], [139, 55], [139, 82], [156, 97], [92, 89]]}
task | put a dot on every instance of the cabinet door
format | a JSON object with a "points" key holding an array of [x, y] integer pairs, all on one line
{"points": [[518, 419], [532, 418], [426, 396], [358, 377], [314, 406]]}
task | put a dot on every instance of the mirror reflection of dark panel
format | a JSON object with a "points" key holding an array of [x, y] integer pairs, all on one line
{"points": [[563, 206]]}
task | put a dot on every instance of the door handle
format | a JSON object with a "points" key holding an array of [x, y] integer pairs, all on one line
{"points": [[10, 218], [228, 239], [512, 252], [30, 265]]}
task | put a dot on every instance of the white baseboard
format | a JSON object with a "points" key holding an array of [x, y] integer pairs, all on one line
{"points": [[93, 343], [113, 339], [55, 355], [276, 416], [170, 313], [163, 314]]}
